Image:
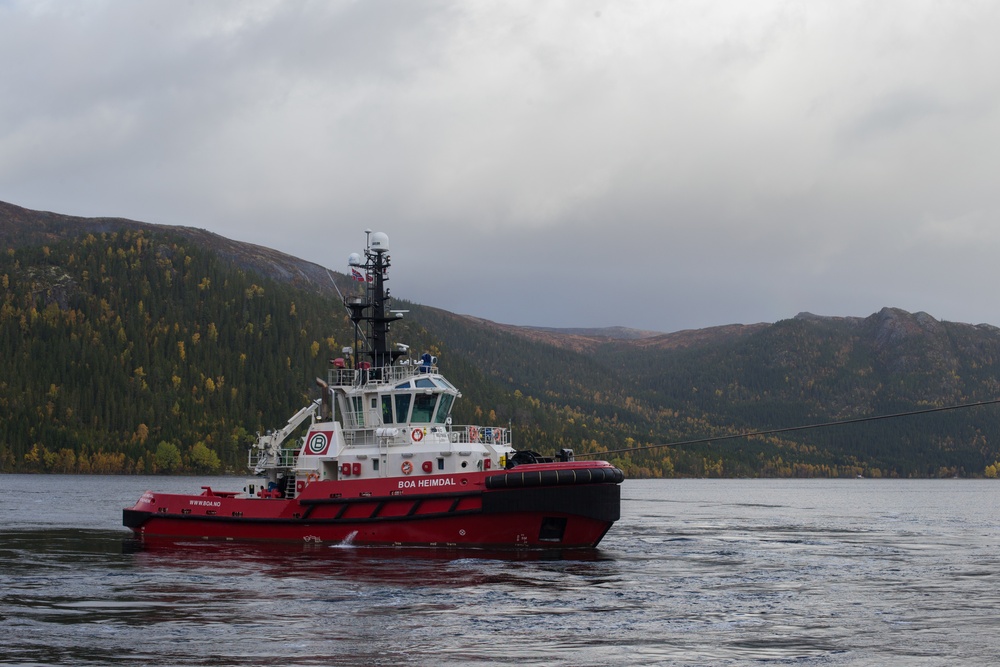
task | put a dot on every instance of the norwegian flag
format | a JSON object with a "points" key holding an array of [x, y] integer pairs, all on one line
{"points": [[357, 275]]}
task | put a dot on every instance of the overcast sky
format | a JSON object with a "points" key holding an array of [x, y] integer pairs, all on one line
{"points": [[659, 165]]}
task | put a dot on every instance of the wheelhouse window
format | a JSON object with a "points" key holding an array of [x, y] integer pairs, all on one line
{"points": [[387, 410], [403, 407], [423, 408], [444, 408]]}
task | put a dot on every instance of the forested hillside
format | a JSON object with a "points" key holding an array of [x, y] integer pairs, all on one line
{"points": [[136, 352], [810, 370], [132, 348]]}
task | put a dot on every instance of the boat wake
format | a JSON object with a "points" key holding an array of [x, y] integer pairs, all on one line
{"points": [[347, 542]]}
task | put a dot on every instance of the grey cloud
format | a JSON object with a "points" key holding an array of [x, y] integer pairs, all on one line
{"points": [[658, 165]]}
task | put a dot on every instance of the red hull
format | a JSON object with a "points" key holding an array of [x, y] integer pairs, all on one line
{"points": [[566, 505]]}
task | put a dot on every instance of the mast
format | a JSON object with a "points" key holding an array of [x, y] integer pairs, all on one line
{"points": [[371, 309]]}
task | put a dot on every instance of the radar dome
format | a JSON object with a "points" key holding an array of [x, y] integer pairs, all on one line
{"points": [[380, 242], [354, 259]]}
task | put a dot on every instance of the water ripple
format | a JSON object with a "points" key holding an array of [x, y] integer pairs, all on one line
{"points": [[698, 572]]}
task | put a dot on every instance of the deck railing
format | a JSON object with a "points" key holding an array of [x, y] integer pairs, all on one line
{"points": [[457, 435], [487, 435], [359, 377], [287, 458]]}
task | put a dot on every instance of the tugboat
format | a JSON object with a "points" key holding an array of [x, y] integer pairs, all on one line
{"points": [[382, 464]]}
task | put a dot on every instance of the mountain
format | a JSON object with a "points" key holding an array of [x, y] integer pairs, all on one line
{"points": [[131, 347], [21, 227]]}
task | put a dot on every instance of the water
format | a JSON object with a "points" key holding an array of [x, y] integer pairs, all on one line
{"points": [[697, 572]]}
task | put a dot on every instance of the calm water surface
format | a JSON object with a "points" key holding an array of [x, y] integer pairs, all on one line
{"points": [[697, 572]]}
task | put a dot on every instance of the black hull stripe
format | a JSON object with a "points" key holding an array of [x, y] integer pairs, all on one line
{"points": [[515, 479], [379, 499]]}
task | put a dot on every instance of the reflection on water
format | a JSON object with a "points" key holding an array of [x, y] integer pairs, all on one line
{"points": [[696, 573]]}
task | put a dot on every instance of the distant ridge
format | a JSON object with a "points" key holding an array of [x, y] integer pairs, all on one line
{"points": [[697, 337], [587, 340], [609, 333], [806, 316]]}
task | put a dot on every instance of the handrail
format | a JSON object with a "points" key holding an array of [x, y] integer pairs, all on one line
{"points": [[457, 435], [286, 459], [474, 433], [359, 377]]}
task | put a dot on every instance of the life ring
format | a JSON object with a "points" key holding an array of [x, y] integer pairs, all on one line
{"points": [[473, 434], [407, 467], [313, 477], [417, 435]]}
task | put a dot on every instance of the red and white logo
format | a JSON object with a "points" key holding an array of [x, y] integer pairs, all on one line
{"points": [[318, 443]]}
